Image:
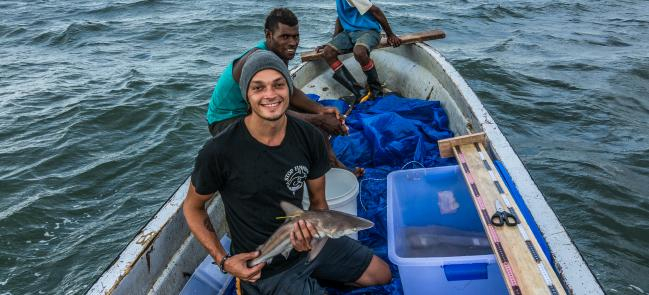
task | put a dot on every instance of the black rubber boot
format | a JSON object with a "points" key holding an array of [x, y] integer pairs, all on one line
{"points": [[345, 78], [373, 83]]}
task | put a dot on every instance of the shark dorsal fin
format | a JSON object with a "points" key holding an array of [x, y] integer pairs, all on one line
{"points": [[290, 209]]}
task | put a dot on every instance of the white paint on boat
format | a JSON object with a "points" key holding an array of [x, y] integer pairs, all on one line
{"points": [[163, 255]]}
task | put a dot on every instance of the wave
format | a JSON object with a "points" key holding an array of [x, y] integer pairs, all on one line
{"points": [[547, 82], [491, 12], [625, 22], [551, 7], [115, 8], [608, 41], [17, 207], [640, 70], [574, 66], [74, 32], [8, 32]]}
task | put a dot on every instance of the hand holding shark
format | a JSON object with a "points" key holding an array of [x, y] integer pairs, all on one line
{"points": [[302, 235], [318, 226], [236, 266]]}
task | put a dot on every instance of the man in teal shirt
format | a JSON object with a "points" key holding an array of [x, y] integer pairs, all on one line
{"points": [[282, 38]]}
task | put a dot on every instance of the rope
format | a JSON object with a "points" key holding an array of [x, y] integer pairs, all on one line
{"points": [[360, 186]]}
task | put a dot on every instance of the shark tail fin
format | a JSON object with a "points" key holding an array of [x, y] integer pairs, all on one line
{"points": [[290, 209]]}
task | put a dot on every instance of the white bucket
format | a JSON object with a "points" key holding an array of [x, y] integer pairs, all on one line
{"points": [[341, 190]]}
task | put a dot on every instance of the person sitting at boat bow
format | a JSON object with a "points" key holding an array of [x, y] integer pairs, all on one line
{"points": [[358, 28], [276, 155]]}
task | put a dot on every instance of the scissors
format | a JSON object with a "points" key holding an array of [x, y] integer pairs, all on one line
{"points": [[502, 217]]}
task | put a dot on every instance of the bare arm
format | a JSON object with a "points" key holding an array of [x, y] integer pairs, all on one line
{"points": [[317, 198], [301, 102], [200, 225], [326, 118], [380, 17], [338, 27], [238, 65]]}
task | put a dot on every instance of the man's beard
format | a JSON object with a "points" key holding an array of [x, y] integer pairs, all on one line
{"points": [[267, 118]]}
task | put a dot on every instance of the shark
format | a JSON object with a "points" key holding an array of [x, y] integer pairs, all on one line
{"points": [[328, 224]]}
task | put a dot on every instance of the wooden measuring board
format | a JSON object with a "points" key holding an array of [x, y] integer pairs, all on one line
{"points": [[520, 259], [405, 39]]}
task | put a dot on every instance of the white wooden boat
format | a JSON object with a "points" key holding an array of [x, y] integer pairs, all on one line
{"points": [[160, 259]]}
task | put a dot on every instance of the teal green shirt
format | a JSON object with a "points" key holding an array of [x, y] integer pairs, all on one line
{"points": [[226, 101]]}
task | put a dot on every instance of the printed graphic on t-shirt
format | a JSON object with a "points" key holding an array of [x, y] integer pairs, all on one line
{"points": [[295, 177]]}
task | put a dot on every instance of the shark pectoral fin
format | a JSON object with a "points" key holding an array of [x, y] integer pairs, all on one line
{"points": [[316, 247], [286, 253], [290, 209]]}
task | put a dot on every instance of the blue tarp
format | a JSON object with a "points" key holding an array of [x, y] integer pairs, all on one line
{"points": [[388, 134], [394, 133]]}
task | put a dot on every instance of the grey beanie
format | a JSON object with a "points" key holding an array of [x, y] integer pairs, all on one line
{"points": [[258, 61]]}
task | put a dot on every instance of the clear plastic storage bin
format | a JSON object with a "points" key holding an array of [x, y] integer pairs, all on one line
{"points": [[435, 236]]}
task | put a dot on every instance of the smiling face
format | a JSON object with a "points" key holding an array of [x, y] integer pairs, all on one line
{"points": [[283, 40], [268, 95]]}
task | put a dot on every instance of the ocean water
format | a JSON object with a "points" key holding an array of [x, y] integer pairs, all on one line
{"points": [[102, 112]]}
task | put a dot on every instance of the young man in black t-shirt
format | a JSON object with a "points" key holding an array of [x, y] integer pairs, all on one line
{"points": [[260, 160]]}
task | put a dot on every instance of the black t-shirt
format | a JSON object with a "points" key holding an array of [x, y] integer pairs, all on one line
{"points": [[253, 178]]}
